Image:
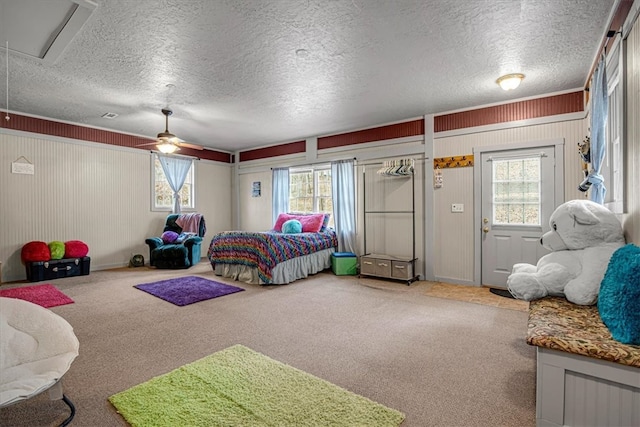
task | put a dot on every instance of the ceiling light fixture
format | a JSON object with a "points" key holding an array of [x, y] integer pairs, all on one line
{"points": [[510, 81], [166, 138], [167, 148]]}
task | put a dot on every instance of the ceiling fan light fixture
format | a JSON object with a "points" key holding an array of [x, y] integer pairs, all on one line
{"points": [[167, 148], [510, 81]]}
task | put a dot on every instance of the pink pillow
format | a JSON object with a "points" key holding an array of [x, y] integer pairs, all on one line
{"points": [[310, 223]]}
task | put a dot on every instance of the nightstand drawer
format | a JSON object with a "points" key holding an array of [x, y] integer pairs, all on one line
{"points": [[402, 270]]}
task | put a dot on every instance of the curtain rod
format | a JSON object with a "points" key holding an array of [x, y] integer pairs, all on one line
{"points": [[316, 163], [616, 20], [174, 155]]}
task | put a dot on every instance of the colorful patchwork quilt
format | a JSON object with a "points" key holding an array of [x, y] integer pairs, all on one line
{"points": [[264, 250]]}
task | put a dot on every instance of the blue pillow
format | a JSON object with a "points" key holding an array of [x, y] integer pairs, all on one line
{"points": [[292, 226], [619, 296]]}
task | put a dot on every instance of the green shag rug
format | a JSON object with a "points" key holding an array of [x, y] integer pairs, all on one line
{"points": [[240, 387]]}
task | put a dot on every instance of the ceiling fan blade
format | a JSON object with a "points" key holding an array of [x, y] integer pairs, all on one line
{"points": [[145, 145], [192, 146]]}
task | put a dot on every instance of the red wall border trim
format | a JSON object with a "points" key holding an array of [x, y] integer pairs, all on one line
{"points": [[274, 151], [381, 133], [66, 130], [530, 109]]}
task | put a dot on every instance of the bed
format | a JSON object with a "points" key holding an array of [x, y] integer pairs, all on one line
{"points": [[271, 258], [299, 244]]}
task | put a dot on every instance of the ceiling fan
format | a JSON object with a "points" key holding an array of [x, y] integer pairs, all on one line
{"points": [[167, 142]]}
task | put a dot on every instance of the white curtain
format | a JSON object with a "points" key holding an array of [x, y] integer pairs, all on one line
{"points": [[175, 170], [599, 111], [343, 194], [280, 198]]}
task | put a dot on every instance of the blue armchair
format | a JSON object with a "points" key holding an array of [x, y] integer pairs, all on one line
{"points": [[176, 255]]}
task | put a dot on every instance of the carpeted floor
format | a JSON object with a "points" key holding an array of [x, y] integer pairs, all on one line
{"points": [[440, 361]]}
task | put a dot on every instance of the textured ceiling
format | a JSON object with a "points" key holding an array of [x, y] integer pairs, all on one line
{"points": [[249, 73]]}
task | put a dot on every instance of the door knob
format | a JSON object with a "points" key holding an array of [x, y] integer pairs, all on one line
{"points": [[485, 229]]}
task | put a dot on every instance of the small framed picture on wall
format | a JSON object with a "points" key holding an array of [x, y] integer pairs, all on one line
{"points": [[255, 189]]}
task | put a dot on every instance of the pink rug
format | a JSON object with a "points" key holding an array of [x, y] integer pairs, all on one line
{"points": [[45, 295]]}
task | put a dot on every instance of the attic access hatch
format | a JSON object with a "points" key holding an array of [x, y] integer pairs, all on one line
{"points": [[42, 29]]}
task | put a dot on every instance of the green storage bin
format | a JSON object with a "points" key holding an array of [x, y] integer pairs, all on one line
{"points": [[344, 264]]}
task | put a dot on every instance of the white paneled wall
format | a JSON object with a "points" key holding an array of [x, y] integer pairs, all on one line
{"points": [[454, 258], [91, 192], [255, 212]]}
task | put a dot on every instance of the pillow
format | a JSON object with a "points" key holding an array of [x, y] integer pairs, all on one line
{"points": [[75, 249], [325, 222], [57, 249], [311, 223], [169, 237], [35, 251], [292, 226], [619, 296]]}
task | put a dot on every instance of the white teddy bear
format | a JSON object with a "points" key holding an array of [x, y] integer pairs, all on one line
{"points": [[583, 236]]}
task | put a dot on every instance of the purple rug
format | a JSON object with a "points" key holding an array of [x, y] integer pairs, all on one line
{"points": [[187, 290]]}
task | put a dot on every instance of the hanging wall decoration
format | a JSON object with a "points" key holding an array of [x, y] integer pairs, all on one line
{"points": [[453, 162], [256, 189]]}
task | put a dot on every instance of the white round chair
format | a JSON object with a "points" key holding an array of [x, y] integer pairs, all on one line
{"points": [[37, 348]]}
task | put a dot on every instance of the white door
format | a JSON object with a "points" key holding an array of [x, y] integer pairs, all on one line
{"points": [[518, 196]]}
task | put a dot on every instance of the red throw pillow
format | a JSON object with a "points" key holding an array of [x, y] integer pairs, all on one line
{"points": [[35, 252], [75, 249]]}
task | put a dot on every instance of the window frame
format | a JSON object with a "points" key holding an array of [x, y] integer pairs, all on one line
{"points": [[613, 166], [314, 170], [522, 180], [190, 177]]}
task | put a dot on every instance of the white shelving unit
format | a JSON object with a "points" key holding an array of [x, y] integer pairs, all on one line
{"points": [[385, 265]]}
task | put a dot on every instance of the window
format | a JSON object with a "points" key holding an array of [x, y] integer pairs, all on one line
{"points": [[612, 167], [162, 193], [516, 191], [310, 190]]}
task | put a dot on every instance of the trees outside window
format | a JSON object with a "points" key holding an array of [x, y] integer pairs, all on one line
{"points": [[310, 190]]}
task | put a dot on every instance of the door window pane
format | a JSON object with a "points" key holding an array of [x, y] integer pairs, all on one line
{"points": [[516, 191]]}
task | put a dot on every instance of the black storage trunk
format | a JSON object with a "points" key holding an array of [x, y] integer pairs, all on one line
{"points": [[57, 268]]}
